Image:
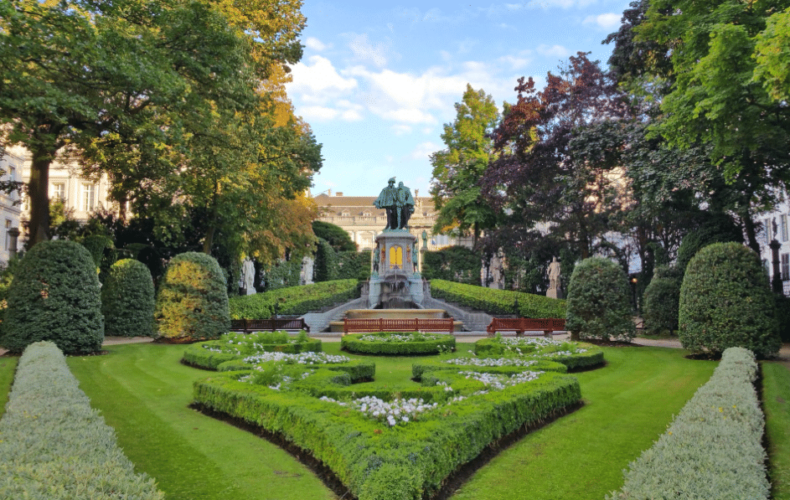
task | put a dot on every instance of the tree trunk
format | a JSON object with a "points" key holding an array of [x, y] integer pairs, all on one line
{"points": [[38, 191], [209, 241], [751, 234]]}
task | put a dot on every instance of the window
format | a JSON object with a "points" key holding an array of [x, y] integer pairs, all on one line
{"points": [[784, 227], [12, 173], [767, 224], [7, 236], [58, 191], [785, 266], [345, 213], [88, 197]]}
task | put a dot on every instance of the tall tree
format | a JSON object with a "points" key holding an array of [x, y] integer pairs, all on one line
{"points": [[458, 169]]}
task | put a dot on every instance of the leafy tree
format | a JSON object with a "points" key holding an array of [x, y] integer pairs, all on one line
{"points": [[335, 235], [76, 71], [457, 170]]}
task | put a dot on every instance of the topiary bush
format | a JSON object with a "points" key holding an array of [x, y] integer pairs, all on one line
{"points": [[455, 263], [717, 229], [725, 301], [55, 296], [193, 300], [661, 298], [326, 262], [128, 301], [598, 302]]}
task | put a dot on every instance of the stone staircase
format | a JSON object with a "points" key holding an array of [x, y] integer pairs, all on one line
{"points": [[476, 321], [319, 322]]}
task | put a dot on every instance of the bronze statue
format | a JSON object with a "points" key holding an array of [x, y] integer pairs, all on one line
{"points": [[405, 206], [398, 203]]}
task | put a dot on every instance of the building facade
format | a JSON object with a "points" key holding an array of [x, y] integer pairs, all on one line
{"points": [[776, 226], [12, 161], [362, 221]]}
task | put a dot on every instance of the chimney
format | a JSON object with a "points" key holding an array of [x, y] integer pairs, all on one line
{"points": [[329, 191], [338, 194], [416, 193]]}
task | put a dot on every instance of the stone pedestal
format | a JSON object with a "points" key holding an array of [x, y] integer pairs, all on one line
{"points": [[397, 282]]}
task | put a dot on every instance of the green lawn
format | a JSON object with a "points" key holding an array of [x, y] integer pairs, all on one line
{"points": [[776, 403], [7, 368], [143, 392]]}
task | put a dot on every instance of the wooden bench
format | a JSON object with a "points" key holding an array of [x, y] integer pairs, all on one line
{"points": [[521, 325], [397, 325], [255, 325]]}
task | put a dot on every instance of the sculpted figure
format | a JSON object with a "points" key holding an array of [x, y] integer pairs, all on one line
{"points": [[405, 206], [554, 274], [388, 200]]}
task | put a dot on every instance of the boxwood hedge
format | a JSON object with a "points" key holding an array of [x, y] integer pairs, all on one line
{"points": [[493, 301], [128, 301], [295, 300], [54, 446], [377, 462], [574, 355], [412, 343], [211, 354], [713, 449]]}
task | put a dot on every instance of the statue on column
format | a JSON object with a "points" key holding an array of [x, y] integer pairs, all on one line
{"points": [[554, 280], [388, 200]]}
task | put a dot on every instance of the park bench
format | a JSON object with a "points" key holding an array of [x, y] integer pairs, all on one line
{"points": [[397, 325], [521, 325], [255, 325]]}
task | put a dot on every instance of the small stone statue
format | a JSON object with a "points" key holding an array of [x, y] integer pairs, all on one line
{"points": [[425, 239], [376, 261], [554, 279], [248, 276]]}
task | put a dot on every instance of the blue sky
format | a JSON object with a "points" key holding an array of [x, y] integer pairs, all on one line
{"points": [[378, 80]]}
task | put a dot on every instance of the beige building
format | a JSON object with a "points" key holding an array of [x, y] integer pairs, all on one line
{"points": [[362, 221], [12, 162]]}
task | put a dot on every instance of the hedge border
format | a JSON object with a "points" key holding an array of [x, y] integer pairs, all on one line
{"points": [[715, 442], [54, 445], [296, 300], [390, 463], [353, 343], [494, 301], [199, 356], [593, 357]]}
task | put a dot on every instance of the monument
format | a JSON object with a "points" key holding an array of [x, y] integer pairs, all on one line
{"points": [[248, 276], [395, 281], [554, 291]]}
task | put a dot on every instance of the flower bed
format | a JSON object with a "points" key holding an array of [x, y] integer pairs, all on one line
{"points": [[395, 442], [54, 445], [394, 343], [237, 346], [713, 449], [492, 301], [293, 300], [574, 355]]}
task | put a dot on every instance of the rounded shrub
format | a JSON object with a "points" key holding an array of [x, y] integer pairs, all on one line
{"points": [[598, 304], [717, 229], [127, 300], [662, 296], [193, 300], [55, 296], [725, 301]]}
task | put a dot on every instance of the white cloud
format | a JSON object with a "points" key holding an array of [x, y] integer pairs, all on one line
{"points": [[318, 81], [515, 62], [365, 51], [563, 4], [606, 21], [553, 50], [427, 130], [318, 113], [315, 44], [424, 150], [401, 129]]}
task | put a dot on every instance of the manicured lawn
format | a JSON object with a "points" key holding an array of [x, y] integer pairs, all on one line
{"points": [[776, 403], [7, 369], [143, 391]]}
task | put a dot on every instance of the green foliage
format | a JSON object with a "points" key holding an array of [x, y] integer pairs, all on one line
{"points": [[713, 449], [408, 461], [193, 300], [719, 229], [661, 302], [411, 343], [725, 301], [326, 263], [128, 300], [455, 263], [336, 236], [574, 355], [354, 265], [6, 278], [54, 445], [495, 301], [783, 315], [598, 301], [283, 274], [237, 346], [96, 244], [296, 300], [55, 296]]}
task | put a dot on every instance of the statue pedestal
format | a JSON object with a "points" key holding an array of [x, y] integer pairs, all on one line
{"points": [[398, 284], [554, 293]]}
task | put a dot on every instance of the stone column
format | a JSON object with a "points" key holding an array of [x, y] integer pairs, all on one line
{"points": [[13, 233], [776, 279]]}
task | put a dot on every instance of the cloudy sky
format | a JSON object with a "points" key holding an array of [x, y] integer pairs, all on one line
{"points": [[378, 80]]}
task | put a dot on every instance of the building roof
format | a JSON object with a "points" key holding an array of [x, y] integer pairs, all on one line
{"points": [[357, 205]]}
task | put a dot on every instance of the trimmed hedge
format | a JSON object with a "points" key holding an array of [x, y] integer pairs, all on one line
{"points": [[592, 357], [55, 296], [599, 301], [713, 449], [54, 446], [661, 301], [419, 370], [206, 355], [193, 299], [358, 371], [725, 301], [128, 301], [456, 264], [295, 300], [493, 301], [354, 265], [377, 462], [415, 345], [326, 266]]}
